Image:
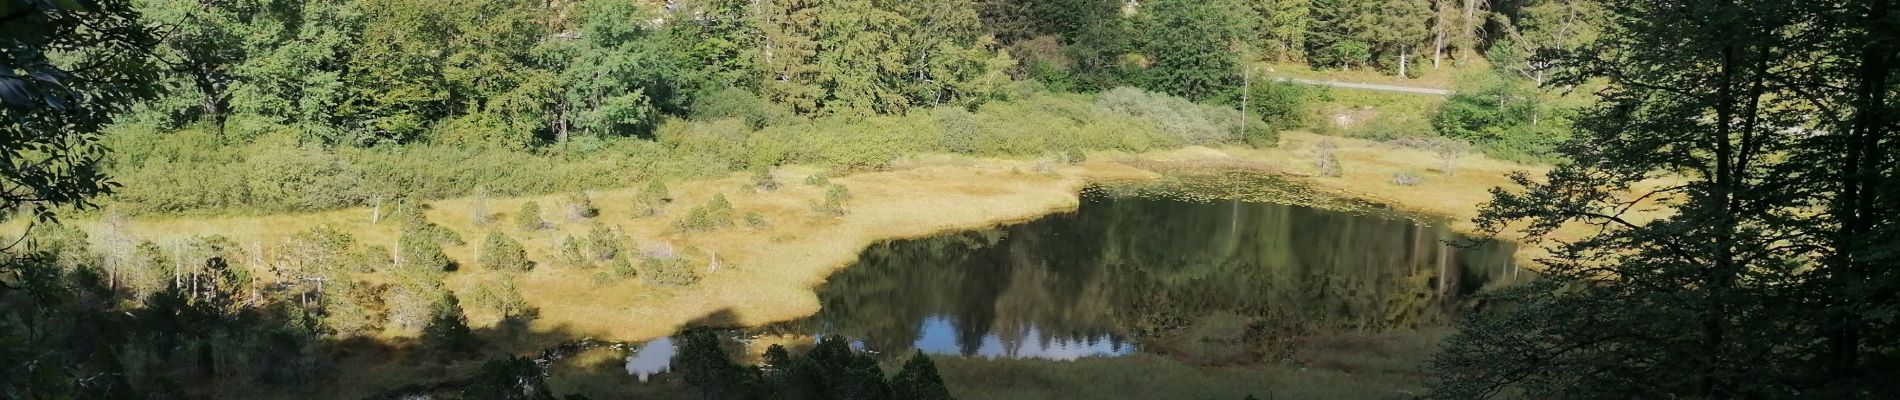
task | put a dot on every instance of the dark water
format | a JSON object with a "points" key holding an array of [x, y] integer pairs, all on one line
{"points": [[1209, 282]]}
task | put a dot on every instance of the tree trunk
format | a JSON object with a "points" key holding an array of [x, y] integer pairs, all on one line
{"points": [[1402, 62]]}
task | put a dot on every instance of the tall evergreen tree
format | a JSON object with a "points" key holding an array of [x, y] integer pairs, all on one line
{"points": [[1193, 45]]}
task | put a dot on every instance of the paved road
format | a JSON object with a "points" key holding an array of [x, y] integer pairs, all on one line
{"points": [[1369, 86]]}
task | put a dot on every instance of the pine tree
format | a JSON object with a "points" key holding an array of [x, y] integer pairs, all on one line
{"points": [[918, 380], [448, 331]]}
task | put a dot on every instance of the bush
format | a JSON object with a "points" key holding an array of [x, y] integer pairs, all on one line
{"points": [[834, 204], [1188, 123], [500, 253], [1407, 178], [1504, 117], [579, 206], [740, 104], [661, 265], [529, 217], [714, 215], [572, 255], [763, 180], [756, 221], [652, 198], [1325, 161], [1075, 156], [420, 251], [603, 243], [817, 179], [502, 298]]}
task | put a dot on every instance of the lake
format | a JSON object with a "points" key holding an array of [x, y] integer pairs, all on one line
{"points": [[1204, 283]]}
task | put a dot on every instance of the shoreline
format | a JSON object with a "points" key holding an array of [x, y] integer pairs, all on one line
{"points": [[768, 275]]}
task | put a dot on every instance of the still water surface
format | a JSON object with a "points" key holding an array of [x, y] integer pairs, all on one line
{"points": [[1207, 282]]}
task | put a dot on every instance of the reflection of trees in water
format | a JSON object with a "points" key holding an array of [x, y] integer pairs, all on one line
{"points": [[1150, 270]]}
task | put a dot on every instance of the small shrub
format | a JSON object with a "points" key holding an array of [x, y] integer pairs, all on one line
{"points": [[623, 268], [1407, 178], [756, 221], [421, 253], [579, 206], [817, 179], [661, 265], [1075, 156], [529, 217], [763, 180], [603, 243], [572, 255], [834, 204], [503, 298], [715, 214], [501, 253], [1324, 159], [652, 198]]}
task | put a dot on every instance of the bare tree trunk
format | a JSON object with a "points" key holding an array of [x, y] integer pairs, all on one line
{"points": [[1402, 62]]}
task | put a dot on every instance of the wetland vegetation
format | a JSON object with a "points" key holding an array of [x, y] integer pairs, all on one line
{"points": [[872, 199]]}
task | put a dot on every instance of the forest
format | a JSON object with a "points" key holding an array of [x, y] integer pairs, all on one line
{"points": [[1709, 185]]}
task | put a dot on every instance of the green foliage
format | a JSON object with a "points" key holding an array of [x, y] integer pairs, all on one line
{"points": [[668, 270], [447, 331], [836, 196], [764, 180], [732, 102], [817, 179], [831, 370], [419, 245], [1685, 289], [1506, 118], [501, 253], [604, 244], [66, 72], [918, 380], [714, 215], [756, 221], [579, 206], [503, 298], [1191, 45], [529, 217], [573, 255], [652, 198], [508, 378], [1186, 122]]}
